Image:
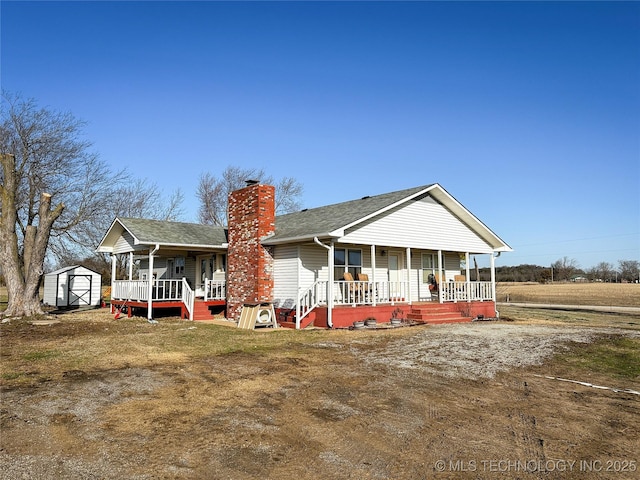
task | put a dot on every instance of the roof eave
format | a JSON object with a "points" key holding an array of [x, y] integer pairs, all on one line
{"points": [[297, 239]]}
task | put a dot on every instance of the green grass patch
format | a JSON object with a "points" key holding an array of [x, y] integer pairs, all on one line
{"points": [[40, 355], [617, 357]]}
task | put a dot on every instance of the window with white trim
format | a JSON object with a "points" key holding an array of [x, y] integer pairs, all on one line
{"points": [[179, 267], [428, 267], [347, 260]]}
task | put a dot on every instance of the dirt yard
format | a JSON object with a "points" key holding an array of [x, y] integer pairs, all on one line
{"points": [[91, 397]]}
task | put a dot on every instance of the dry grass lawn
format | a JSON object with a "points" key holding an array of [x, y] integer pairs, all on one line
{"points": [[89, 396]]}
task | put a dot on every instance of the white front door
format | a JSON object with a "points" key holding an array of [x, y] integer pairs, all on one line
{"points": [[395, 275], [204, 272]]}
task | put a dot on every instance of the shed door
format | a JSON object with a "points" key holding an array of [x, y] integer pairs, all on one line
{"points": [[79, 290]]}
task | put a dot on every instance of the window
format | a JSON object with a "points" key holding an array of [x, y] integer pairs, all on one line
{"points": [[179, 266], [428, 266], [347, 260], [203, 270]]}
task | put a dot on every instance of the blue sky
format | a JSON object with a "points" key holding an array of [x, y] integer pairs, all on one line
{"points": [[527, 113]]}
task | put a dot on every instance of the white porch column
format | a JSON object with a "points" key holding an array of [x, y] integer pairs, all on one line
{"points": [[467, 276], [440, 277], [493, 278], [373, 275], [150, 278], [408, 254], [130, 266], [331, 286], [114, 260]]}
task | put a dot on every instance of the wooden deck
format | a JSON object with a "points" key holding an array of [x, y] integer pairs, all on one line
{"points": [[202, 310]]}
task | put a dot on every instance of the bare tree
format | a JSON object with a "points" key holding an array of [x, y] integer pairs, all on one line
{"points": [[137, 198], [564, 268], [51, 186], [629, 270], [603, 271], [142, 199], [213, 192]]}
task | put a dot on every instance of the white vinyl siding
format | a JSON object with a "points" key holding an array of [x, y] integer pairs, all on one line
{"points": [[423, 224], [125, 244], [285, 276], [83, 284], [313, 265], [160, 269]]}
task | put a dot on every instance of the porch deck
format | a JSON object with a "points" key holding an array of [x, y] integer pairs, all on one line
{"points": [[167, 294], [375, 299], [203, 310], [428, 313]]}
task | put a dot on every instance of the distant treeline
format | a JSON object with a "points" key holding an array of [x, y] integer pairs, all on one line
{"points": [[565, 270]]}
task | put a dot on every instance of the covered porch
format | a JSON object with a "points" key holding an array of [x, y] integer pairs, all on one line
{"points": [[169, 294], [378, 277], [192, 281]]}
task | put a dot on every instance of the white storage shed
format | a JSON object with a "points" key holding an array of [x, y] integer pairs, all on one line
{"points": [[74, 286]]}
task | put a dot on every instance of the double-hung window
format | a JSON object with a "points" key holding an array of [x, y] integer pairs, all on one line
{"points": [[179, 267], [428, 267], [347, 260]]}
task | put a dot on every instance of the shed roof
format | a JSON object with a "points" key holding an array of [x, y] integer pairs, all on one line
{"points": [[70, 267]]}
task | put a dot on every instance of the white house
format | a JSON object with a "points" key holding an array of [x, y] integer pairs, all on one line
{"points": [[408, 250]]}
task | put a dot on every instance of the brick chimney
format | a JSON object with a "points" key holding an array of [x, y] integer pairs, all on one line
{"points": [[249, 264]]}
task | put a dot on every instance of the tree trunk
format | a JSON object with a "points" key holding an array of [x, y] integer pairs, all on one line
{"points": [[23, 290]]}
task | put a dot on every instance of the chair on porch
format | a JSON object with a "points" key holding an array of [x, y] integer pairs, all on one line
{"points": [[434, 285], [460, 285], [367, 288], [352, 288]]}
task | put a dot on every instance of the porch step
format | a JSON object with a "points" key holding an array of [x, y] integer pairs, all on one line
{"points": [[436, 314], [201, 311], [290, 322]]}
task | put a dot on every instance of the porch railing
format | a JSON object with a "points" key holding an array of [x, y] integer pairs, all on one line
{"points": [[215, 290], [188, 297], [161, 290], [310, 299], [366, 293], [466, 291]]}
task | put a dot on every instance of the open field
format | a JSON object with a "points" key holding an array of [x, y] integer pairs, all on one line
{"points": [[602, 294], [92, 397]]}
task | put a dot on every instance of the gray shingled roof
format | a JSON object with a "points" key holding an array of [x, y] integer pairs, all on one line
{"points": [[307, 223], [174, 233], [317, 222]]}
